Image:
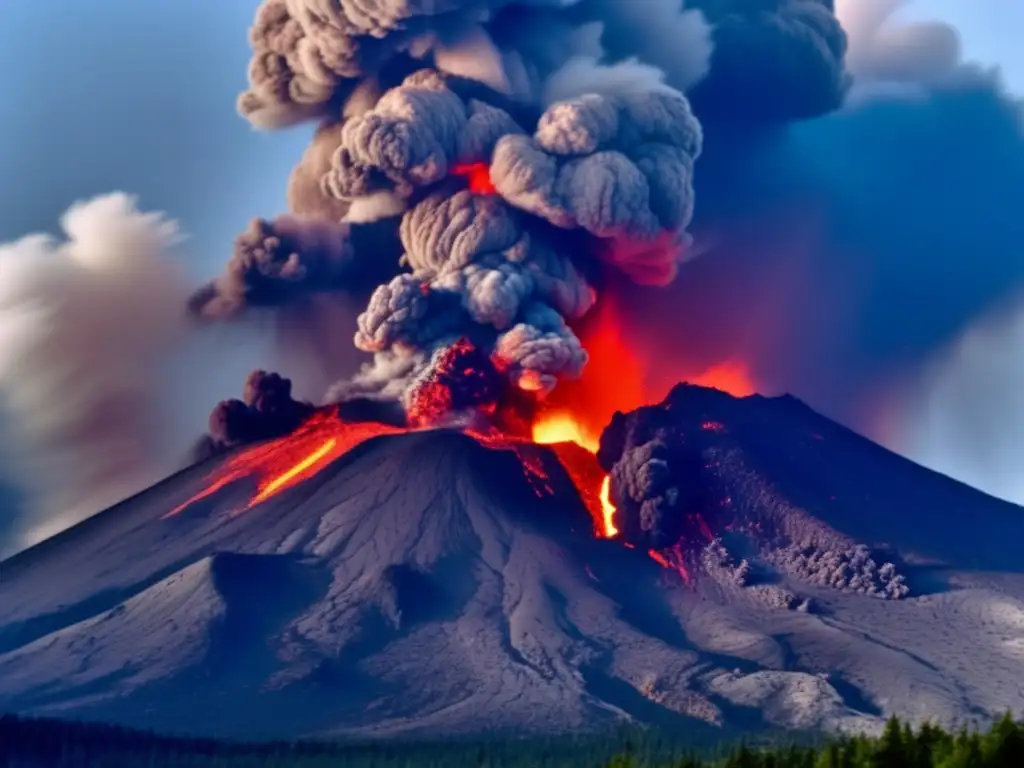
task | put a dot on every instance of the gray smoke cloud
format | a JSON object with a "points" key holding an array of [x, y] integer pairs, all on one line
{"points": [[609, 168], [309, 56], [274, 261], [86, 324], [526, 155], [773, 60], [512, 160]]}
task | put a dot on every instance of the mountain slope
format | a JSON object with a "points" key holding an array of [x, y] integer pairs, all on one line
{"points": [[418, 585]]}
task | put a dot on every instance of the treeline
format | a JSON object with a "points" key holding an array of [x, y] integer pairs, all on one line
{"points": [[32, 743]]}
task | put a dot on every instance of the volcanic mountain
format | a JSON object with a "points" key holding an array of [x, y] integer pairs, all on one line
{"points": [[772, 569]]}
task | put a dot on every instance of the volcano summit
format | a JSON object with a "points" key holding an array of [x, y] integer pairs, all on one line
{"points": [[784, 572]]}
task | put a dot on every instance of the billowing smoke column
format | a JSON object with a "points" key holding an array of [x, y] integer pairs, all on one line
{"points": [[525, 153], [504, 164]]}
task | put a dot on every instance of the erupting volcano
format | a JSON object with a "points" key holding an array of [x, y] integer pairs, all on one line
{"points": [[361, 578], [519, 212], [465, 390], [507, 513]]}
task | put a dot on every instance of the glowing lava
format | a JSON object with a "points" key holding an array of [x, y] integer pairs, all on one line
{"points": [[287, 461], [671, 559], [478, 176], [607, 508], [731, 376], [619, 377], [562, 432], [560, 427], [296, 472]]}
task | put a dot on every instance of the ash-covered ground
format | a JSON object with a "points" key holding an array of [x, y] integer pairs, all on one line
{"points": [[420, 586]]}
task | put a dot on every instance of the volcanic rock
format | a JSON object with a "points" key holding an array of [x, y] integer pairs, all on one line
{"points": [[419, 585]]}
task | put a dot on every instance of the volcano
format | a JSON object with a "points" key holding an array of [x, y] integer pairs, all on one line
{"points": [[773, 569]]}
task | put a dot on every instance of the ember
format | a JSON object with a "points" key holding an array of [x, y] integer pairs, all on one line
{"points": [[461, 377], [478, 176]]}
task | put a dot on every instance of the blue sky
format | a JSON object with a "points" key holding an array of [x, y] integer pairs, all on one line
{"points": [[122, 94], [139, 95]]}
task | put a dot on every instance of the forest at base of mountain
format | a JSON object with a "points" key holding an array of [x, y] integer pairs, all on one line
{"points": [[28, 743]]}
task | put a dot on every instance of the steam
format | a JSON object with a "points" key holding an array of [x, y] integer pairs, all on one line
{"points": [[887, 51], [85, 325]]}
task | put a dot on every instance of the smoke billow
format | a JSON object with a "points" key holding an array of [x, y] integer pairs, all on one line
{"points": [[85, 326], [526, 153]]}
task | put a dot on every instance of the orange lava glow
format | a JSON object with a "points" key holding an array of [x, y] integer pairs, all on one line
{"points": [[731, 376], [559, 428], [618, 377], [672, 560], [607, 508], [287, 461], [478, 176]]}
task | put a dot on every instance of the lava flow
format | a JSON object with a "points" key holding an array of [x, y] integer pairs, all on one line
{"points": [[287, 461], [577, 452]]}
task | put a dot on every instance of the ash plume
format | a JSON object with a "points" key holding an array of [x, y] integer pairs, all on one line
{"points": [[774, 61], [86, 323], [274, 261], [506, 200], [520, 159]]}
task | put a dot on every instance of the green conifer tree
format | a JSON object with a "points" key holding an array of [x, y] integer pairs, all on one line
{"points": [[891, 751]]}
